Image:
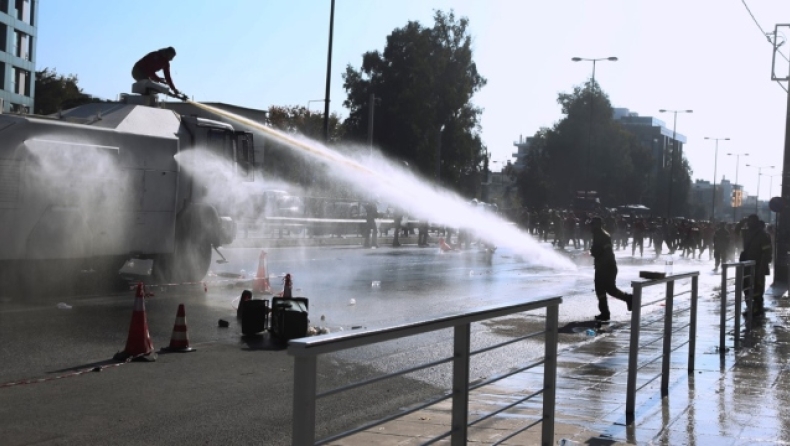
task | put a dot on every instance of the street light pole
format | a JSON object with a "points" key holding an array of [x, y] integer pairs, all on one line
{"points": [[329, 71], [737, 161], [587, 184], [759, 172], [674, 149], [715, 162]]}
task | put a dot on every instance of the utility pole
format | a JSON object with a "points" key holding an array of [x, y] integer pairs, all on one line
{"points": [[329, 72], [371, 107], [783, 225]]}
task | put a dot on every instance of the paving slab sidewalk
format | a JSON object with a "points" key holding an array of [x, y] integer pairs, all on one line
{"points": [[738, 398]]}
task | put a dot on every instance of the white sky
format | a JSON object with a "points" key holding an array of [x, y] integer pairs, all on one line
{"points": [[705, 55]]}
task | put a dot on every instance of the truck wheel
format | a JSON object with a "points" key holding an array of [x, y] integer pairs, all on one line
{"points": [[190, 261], [193, 258]]}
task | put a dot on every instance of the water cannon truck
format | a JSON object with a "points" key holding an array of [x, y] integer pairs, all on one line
{"points": [[108, 181]]}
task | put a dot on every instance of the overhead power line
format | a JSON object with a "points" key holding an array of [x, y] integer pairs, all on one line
{"points": [[767, 37]]}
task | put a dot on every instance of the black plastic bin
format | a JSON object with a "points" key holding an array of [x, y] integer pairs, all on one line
{"points": [[254, 316], [289, 317]]}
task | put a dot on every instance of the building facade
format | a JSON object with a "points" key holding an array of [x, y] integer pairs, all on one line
{"points": [[652, 133], [18, 54], [523, 146]]}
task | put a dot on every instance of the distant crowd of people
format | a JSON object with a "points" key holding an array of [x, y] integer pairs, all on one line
{"points": [[748, 239]]}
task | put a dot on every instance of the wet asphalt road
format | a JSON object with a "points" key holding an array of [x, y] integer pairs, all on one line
{"points": [[38, 340], [413, 284]]}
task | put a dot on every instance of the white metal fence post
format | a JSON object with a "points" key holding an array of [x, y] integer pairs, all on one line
{"points": [[303, 424], [738, 295], [550, 375], [633, 354], [460, 384], [723, 311], [693, 322], [667, 356]]}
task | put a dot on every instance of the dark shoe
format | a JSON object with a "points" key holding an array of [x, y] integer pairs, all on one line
{"points": [[629, 300], [602, 318]]}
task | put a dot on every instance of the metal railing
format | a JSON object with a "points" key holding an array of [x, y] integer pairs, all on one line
{"points": [[636, 323], [307, 350], [744, 271]]}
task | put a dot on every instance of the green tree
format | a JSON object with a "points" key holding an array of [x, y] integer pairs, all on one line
{"points": [[423, 83], [284, 161], [588, 150], [58, 92]]}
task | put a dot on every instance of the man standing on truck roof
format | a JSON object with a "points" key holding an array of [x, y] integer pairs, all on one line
{"points": [[154, 61]]}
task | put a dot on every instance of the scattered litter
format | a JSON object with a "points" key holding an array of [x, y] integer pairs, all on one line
{"points": [[312, 331], [96, 369], [376, 284], [424, 418], [64, 306], [590, 332], [243, 273], [471, 273], [323, 318], [356, 327], [223, 323], [352, 301], [323, 330]]}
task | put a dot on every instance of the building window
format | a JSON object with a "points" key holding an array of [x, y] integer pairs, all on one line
{"points": [[22, 45], [21, 84], [3, 39], [4, 6], [2, 75], [23, 8]]}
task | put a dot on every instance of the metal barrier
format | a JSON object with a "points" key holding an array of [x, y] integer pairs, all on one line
{"points": [[740, 290], [636, 321], [306, 351]]}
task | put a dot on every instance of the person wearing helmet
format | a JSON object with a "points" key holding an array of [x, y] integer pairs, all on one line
{"points": [[605, 270], [154, 61]]}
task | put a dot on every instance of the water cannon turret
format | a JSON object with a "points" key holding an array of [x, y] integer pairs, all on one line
{"points": [[145, 92]]}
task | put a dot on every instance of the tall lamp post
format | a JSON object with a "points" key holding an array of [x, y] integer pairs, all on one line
{"points": [[759, 172], [737, 161], [674, 149], [715, 162], [587, 185]]}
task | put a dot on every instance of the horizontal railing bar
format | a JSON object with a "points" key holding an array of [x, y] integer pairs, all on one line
{"points": [[383, 377], [648, 382], [512, 341], [435, 439], [651, 342], [502, 440], [317, 345], [502, 409], [383, 420], [645, 283], [496, 378], [660, 356]]}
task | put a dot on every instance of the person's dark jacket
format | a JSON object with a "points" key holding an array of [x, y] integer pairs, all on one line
{"points": [[601, 249], [153, 62], [757, 247]]}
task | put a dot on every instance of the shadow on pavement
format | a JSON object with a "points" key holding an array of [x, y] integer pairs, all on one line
{"points": [[263, 342]]}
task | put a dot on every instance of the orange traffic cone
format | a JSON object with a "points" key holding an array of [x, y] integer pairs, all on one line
{"points": [[138, 343], [179, 342], [261, 282]]}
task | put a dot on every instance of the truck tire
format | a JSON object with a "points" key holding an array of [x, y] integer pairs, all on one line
{"points": [[196, 231]]}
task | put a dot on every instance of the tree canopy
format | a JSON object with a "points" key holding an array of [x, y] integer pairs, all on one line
{"points": [[423, 83], [281, 160], [589, 150], [58, 92]]}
